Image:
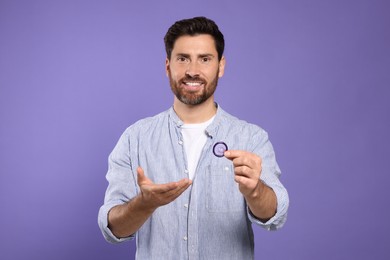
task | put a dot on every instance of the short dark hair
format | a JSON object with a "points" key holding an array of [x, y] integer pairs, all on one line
{"points": [[192, 27]]}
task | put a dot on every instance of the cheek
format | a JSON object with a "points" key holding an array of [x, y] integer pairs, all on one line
{"points": [[175, 73], [214, 74], [173, 76]]}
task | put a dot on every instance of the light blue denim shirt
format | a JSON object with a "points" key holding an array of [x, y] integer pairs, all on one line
{"points": [[210, 220]]}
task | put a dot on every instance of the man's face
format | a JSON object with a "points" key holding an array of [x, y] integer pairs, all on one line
{"points": [[194, 69]]}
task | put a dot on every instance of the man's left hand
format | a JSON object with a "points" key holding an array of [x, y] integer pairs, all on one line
{"points": [[247, 170]]}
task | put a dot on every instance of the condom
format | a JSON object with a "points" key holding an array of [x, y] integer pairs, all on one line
{"points": [[219, 149]]}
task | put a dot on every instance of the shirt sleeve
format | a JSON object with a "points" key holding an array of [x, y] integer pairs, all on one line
{"points": [[270, 175], [121, 185]]}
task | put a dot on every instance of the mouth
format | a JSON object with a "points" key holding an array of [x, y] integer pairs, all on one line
{"points": [[192, 85]]}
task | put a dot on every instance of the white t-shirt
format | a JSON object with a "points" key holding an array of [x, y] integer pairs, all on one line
{"points": [[194, 138]]}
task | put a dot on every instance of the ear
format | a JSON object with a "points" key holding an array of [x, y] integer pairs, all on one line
{"points": [[167, 66], [222, 64]]}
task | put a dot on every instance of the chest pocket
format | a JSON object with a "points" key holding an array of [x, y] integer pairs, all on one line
{"points": [[223, 194]]}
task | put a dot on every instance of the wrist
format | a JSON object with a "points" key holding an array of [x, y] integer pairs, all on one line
{"points": [[141, 204], [257, 191]]}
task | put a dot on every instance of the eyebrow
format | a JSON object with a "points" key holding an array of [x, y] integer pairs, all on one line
{"points": [[199, 56]]}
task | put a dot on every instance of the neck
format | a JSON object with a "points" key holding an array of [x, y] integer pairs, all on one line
{"points": [[195, 114]]}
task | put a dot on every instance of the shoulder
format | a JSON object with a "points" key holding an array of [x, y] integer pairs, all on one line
{"points": [[240, 125], [241, 134], [148, 123]]}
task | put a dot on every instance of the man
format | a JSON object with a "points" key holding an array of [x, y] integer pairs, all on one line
{"points": [[189, 182]]}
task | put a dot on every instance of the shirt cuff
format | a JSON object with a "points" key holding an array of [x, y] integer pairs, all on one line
{"points": [[103, 224], [280, 217]]}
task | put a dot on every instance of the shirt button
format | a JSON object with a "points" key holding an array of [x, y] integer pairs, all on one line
{"points": [[185, 238], [180, 142], [226, 168], [186, 205], [185, 171]]}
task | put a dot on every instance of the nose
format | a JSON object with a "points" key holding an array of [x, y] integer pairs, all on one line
{"points": [[192, 70]]}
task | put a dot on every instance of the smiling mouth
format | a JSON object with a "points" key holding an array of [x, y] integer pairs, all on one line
{"points": [[192, 85]]}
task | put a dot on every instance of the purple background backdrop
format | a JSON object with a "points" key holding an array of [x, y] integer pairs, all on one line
{"points": [[314, 74]]}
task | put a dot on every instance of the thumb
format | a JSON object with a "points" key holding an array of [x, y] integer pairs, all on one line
{"points": [[141, 176]]}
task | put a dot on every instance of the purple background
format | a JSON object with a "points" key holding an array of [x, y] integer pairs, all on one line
{"points": [[314, 74]]}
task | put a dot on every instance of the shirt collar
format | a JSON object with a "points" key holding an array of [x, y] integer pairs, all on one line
{"points": [[210, 130]]}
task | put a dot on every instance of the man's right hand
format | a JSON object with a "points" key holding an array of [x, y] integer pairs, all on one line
{"points": [[156, 195], [125, 219]]}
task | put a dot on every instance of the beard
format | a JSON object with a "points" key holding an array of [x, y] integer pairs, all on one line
{"points": [[193, 97]]}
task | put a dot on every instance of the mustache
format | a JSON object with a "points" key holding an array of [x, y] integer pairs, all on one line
{"points": [[189, 78]]}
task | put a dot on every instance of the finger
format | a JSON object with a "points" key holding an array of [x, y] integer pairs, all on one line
{"points": [[245, 161], [171, 195], [239, 179], [232, 154], [177, 192], [186, 183], [245, 171], [182, 185], [170, 187], [242, 157], [140, 175], [158, 188], [246, 184], [251, 160], [163, 188]]}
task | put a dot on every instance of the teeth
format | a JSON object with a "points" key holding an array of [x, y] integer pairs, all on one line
{"points": [[193, 84]]}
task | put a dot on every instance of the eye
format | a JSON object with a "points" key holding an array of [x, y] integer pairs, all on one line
{"points": [[205, 59], [182, 59]]}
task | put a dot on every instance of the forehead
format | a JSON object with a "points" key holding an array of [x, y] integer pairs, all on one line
{"points": [[202, 43]]}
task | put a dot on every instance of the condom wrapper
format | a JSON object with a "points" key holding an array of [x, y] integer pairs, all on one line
{"points": [[219, 149]]}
